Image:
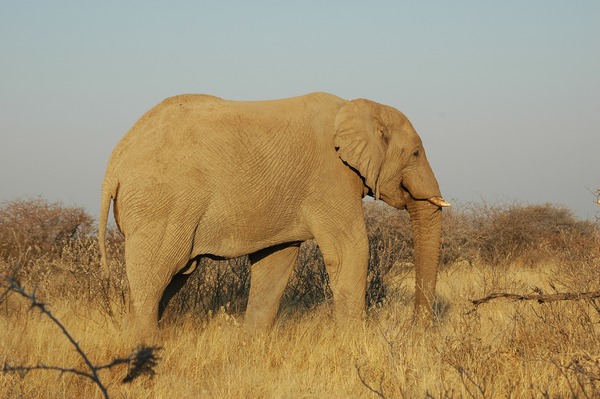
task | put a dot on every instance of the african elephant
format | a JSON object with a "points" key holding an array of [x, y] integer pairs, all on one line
{"points": [[201, 176]]}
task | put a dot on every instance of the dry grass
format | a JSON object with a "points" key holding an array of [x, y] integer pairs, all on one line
{"points": [[502, 349]]}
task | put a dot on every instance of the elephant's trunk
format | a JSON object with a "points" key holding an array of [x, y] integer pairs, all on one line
{"points": [[426, 218]]}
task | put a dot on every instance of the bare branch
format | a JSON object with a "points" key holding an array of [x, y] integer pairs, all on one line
{"points": [[141, 362], [541, 298], [378, 391], [8, 368]]}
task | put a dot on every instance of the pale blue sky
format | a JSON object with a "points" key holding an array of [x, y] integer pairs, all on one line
{"points": [[505, 95]]}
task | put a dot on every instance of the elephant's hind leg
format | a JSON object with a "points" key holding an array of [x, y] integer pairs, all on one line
{"points": [[269, 274], [151, 266]]}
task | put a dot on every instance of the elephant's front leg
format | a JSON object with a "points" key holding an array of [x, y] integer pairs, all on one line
{"points": [[346, 255], [269, 274]]}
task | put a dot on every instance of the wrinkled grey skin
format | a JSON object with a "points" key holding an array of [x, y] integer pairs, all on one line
{"points": [[198, 175]]}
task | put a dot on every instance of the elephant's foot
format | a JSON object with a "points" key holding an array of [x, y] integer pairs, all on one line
{"points": [[137, 330]]}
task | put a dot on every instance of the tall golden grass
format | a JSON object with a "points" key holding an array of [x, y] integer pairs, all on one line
{"points": [[501, 349]]}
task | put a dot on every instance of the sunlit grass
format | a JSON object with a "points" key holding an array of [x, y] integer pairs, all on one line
{"points": [[502, 349]]}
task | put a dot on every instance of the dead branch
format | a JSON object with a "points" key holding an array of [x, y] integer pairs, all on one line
{"points": [[363, 380], [541, 298], [141, 362]]}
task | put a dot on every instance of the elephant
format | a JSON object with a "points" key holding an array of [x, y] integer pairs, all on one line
{"points": [[198, 175]]}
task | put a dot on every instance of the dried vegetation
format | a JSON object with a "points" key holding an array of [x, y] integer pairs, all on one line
{"points": [[500, 349]]}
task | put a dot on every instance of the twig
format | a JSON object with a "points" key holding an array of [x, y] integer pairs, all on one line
{"points": [[541, 298], [378, 392], [13, 286], [7, 368], [466, 376], [141, 362]]}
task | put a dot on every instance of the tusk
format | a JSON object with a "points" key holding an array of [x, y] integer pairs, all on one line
{"points": [[439, 201]]}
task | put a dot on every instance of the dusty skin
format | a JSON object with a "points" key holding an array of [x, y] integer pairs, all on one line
{"points": [[201, 176]]}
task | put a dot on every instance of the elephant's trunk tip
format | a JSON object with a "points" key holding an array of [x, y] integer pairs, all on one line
{"points": [[439, 201]]}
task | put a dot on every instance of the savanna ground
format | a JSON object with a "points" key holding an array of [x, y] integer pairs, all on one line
{"points": [[500, 349]]}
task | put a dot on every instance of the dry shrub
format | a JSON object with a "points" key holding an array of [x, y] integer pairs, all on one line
{"points": [[309, 284], [534, 234], [214, 285], [526, 234], [390, 252], [52, 248], [459, 236], [38, 227]]}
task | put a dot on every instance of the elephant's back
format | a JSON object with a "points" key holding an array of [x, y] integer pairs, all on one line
{"points": [[189, 134], [168, 130], [170, 115]]}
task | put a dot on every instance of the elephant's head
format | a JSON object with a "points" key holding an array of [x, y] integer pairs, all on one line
{"points": [[380, 143]]}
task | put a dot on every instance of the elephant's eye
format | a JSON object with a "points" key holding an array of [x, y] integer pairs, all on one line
{"points": [[415, 154]]}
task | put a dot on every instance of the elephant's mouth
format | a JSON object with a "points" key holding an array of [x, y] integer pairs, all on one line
{"points": [[435, 200]]}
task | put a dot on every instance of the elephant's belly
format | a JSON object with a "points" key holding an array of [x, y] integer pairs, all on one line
{"points": [[238, 240]]}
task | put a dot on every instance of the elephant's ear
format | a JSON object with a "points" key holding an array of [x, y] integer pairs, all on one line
{"points": [[360, 140]]}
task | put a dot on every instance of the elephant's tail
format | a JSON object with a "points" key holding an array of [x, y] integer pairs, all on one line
{"points": [[109, 191]]}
